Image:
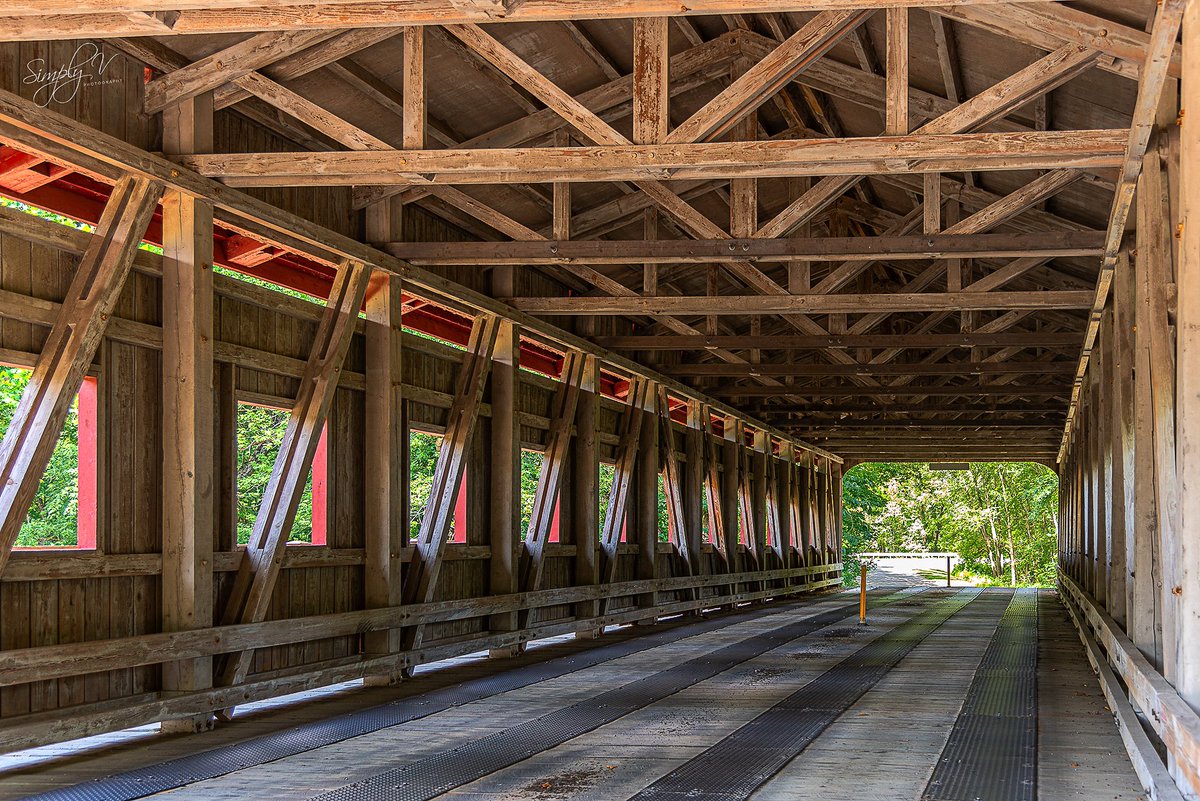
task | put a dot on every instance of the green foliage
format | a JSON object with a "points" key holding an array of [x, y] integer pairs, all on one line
{"points": [[53, 516], [62, 220], [259, 434], [1000, 518]]}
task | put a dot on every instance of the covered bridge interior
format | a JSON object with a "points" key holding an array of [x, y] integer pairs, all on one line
{"points": [[696, 260]]}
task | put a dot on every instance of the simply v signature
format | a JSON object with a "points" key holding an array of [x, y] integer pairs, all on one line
{"points": [[62, 84]]}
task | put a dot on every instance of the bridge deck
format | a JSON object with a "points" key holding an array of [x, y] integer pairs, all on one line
{"points": [[946, 694]]}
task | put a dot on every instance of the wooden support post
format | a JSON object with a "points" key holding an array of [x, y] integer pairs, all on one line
{"points": [[897, 71], [1125, 443], [1122, 441], [931, 202], [836, 486], [67, 353], [693, 489], [1114, 507], [554, 460], [505, 469], [677, 523], [1186, 585], [386, 512], [713, 491], [1155, 367], [250, 598], [651, 90], [646, 527], [1101, 418], [759, 496], [189, 464], [623, 471], [420, 585], [743, 192], [731, 478], [386, 473], [585, 490], [784, 503], [412, 75]]}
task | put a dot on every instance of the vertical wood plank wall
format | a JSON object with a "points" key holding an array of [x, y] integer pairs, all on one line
{"points": [[56, 601]]}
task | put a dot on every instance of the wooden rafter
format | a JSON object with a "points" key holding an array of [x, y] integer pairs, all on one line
{"points": [[1092, 149], [850, 249], [59, 19], [822, 304]]}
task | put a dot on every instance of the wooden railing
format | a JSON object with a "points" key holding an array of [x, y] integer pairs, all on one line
{"points": [[57, 661], [1114, 656]]}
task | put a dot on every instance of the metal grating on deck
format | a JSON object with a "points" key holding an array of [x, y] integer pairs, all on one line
{"points": [[738, 765], [992, 751], [227, 759], [427, 778]]}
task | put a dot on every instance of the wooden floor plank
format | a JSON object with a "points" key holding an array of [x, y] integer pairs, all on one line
{"points": [[883, 747]]}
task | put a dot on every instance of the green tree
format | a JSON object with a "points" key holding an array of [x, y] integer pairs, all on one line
{"points": [[54, 514], [1000, 518], [260, 432]]}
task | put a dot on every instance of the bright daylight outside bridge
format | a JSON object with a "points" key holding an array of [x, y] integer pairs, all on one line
{"points": [[500, 399]]}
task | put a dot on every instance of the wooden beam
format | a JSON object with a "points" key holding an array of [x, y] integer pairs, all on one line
{"points": [[697, 251], [68, 351], [385, 427], [56, 19], [918, 368], [848, 341], [554, 461], [1047, 26], [1159, 54], [106, 158], [651, 82], [504, 467], [412, 75], [189, 466], [808, 304], [585, 490], [227, 65], [673, 485], [1092, 149], [623, 472], [897, 72], [250, 597], [1013, 390], [1186, 553], [430, 545], [759, 83], [992, 104]]}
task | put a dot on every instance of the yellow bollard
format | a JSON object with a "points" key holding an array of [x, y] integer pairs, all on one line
{"points": [[862, 596]]}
